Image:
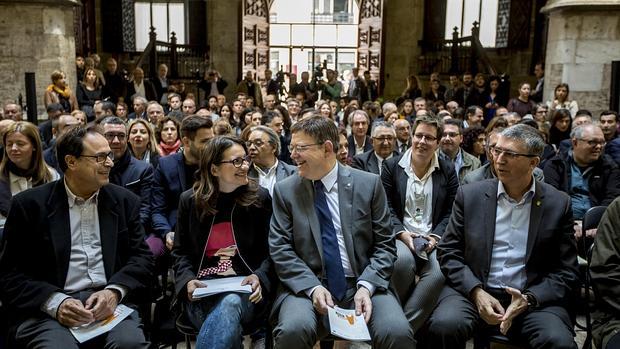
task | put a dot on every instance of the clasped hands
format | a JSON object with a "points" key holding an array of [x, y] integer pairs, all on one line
{"points": [[407, 237], [492, 312], [322, 299], [99, 306], [251, 280]]}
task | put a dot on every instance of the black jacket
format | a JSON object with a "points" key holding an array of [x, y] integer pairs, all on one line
{"points": [[137, 176]]}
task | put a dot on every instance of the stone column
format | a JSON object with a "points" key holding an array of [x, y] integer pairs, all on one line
{"points": [[37, 36], [583, 40]]}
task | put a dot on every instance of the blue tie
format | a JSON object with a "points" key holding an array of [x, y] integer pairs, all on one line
{"points": [[336, 282]]}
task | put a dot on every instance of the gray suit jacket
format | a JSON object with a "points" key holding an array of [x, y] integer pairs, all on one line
{"points": [[282, 171], [484, 172], [295, 236]]}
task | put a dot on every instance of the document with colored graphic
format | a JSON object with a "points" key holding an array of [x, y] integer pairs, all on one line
{"points": [[345, 324], [87, 332]]}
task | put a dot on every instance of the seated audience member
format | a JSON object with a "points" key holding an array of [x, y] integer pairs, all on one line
{"points": [[4, 125], [512, 118], [102, 109], [522, 104], [605, 272], [561, 101], [139, 108], [142, 142], [508, 254], [343, 147], [561, 126], [174, 102], [59, 92], [264, 147], [82, 254], [403, 135], [80, 116], [450, 149], [222, 232], [176, 174], [13, 111], [59, 127], [487, 171], [473, 117], [154, 112], [353, 274], [473, 142], [420, 188], [383, 136], [54, 111], [359, 141], [222, 128], [188, 107], [387, 109], [169, 132], [609, 125], [130, 173], [88, 92], [588, 176], [138, 86], [583, 116]]}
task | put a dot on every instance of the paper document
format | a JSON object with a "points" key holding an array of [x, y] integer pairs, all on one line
{"points": [[215, 286], [86, 332], [345, 324]]}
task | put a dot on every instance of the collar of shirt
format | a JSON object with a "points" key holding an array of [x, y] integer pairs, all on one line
{"points": [[271, 170], [501, 192], [380, 159], [73, 199], [13, 178], [405, 163], [330, 178]]}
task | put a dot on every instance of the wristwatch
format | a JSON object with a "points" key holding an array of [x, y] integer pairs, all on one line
{"points": [[532, 302]]}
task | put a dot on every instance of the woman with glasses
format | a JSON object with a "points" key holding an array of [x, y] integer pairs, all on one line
{"points": [[22, 165], [222, 228]]}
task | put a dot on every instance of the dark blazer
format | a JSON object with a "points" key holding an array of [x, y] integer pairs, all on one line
{"points": [[282, 171], [49, 155], [445, 184], [464, 252], [159, 89], [136, 176], [351, 140], [168, 184], [45, 130], [149, 91], [250, 228], [205, 85], [5, 197], [34, 262], [368, 162]]}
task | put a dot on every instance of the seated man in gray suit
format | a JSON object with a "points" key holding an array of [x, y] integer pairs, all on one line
{"points": [[383, 137], [508, 254], [264, 148], [332, 244]]}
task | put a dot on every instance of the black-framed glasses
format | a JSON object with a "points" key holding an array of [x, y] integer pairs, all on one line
{"points": [[593, 142], [101, 158], [300, 148], [384, 139], [111, 135], [509, 153], [420, 136], [450, 134], [257, 143], [238, 162]]}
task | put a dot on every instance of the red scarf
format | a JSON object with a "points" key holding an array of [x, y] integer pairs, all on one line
{"points": [[169, 149]]}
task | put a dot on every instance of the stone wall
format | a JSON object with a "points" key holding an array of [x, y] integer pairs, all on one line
{"points": [[37, 36], [582, 42]]}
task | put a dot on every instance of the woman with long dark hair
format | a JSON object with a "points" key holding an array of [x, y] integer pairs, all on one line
{"points": [[561, 101], [561, 124], [222, 228], [89, 91]]}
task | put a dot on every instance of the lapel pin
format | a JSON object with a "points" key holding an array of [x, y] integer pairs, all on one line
{"points": [[538, 203]]}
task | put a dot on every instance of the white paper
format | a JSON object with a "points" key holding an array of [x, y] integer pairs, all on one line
{"points": [[215, 286], [345, 324], [86, 332]]}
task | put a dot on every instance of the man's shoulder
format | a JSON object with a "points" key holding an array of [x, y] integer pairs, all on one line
{"points": [[479, 187], [170, 160], [365, 156], [287, 167]]}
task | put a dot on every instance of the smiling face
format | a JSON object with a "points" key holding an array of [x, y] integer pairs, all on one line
{"points": [[325, 110], [585, 153], [117, 139], [425, 142], [311, 158], [228, 176], [383, 141], [451, 139], [85, 171], [19, 150]]}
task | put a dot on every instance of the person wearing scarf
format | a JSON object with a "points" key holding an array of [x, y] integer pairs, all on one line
{"points": [[169, 135], [59, 92]]}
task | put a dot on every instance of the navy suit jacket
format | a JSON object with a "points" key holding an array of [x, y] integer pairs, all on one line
{"points": [[351, 140], [137, 176], [368, 162], [168, 184]]}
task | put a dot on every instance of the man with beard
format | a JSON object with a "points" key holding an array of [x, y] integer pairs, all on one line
{"points": [[383, 136], [175, 174]]}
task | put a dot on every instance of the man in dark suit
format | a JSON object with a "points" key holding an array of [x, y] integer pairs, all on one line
{"points": [[403, 135], [264, 148], [54, 110], [140, 87], [82, 254], [175, 174], [331, 244], [359, 141], [420, 188], [383, 139], [503, 264], [59, 127]]}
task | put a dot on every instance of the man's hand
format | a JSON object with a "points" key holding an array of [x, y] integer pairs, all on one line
{"points": [[71, 313], [191, 286], [253, 281], [363, 304], [489, 308], [407, 238], [170, 240], [518, 304], [432, 243], [102, 303], [321, 299]]}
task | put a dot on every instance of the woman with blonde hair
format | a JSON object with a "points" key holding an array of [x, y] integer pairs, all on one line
{"points": [[59, 92], [142, 142], [22, 166]]}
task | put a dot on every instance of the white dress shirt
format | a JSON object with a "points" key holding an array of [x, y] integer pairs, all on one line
{"points": [[418, 217], [380, 160], [267, 179]]}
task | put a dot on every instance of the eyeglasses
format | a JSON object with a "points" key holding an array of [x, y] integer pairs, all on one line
{"points": [[593, 142], [110, 136], [450, 134], [384, 139], [101, 158], [419, 137], [300, 148], [257, 143], [238, 162], [509, 154]]}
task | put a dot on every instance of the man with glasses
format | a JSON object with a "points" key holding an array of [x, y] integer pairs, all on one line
{"points": [[589, 176], [82, 254], [403, 135], [264, 147], [332, 245], [129, 172], [450, 148], [508, 254], [420, 188], [383, 138]]}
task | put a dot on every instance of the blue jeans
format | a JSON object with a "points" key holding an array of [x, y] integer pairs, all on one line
{"points": [[222, 318]]}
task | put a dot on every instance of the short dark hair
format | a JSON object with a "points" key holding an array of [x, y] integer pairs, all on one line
{"points": [[610, 112], [72, 143], [429, 120], [107, 106], [319, 128], [192, 123], [454, 122], [583, 112], [55, 107]]}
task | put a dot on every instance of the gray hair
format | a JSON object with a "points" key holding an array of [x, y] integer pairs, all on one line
{"points": [[113, 120], [380, 124], [387, 107], [273, 137], [140, 100], [358, 112], [577, 132], [528, 135]]}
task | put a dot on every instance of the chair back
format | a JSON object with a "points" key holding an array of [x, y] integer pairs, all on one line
{"points": [[592, 217]]}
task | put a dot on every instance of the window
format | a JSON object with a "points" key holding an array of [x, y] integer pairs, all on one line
{"points": [[165, 16], [463, 13]]}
